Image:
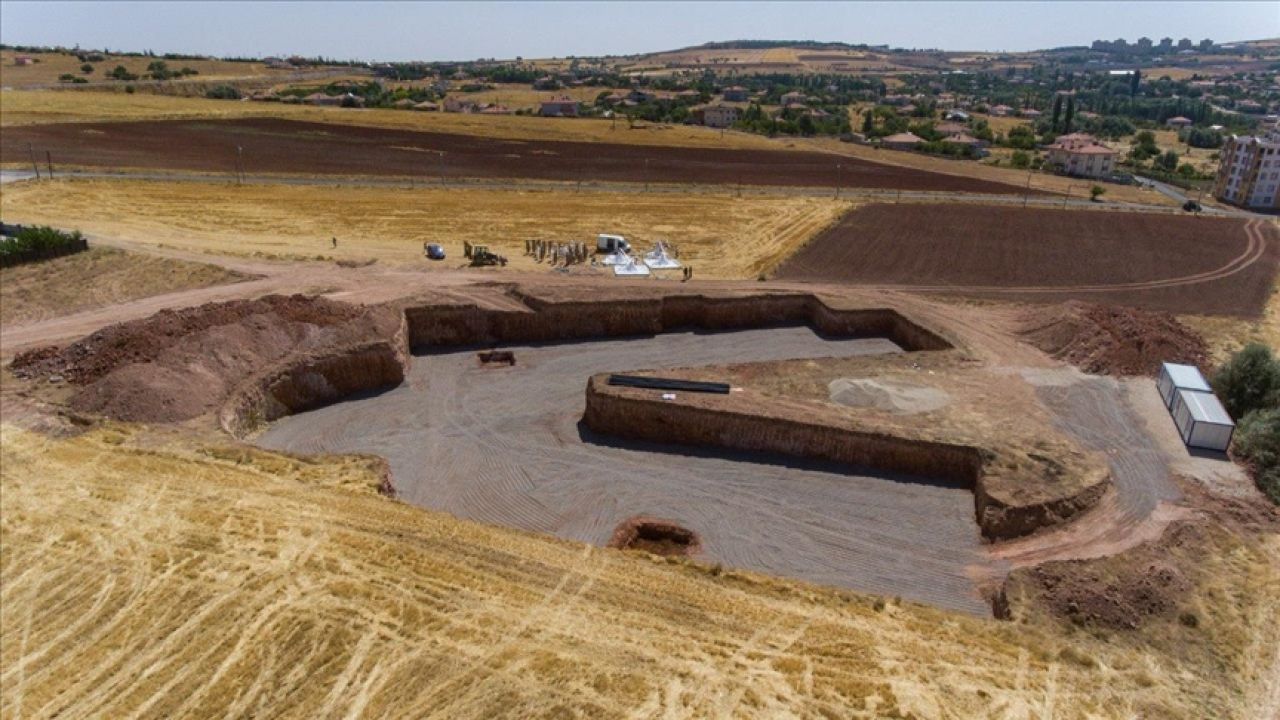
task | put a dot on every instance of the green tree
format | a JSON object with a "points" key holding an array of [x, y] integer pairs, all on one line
{"points": [[86, 68], [1168, 161], [868, 122], [1134, 81], [122, 73], [1020, 159], [1070, 114], [1257, 442], [1249, 381], [1096, 192], [1057, 111], [159, 70]]}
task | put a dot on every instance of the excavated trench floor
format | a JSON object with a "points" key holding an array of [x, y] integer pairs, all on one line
{"points": [[503, 445]]}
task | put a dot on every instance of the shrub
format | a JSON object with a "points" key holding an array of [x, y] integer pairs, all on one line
{"points": [[1020, 159], [122, 73], [40, 243], [223, 92], [86, 68], [1096, 192], [1257, 442], [1249, 381]]}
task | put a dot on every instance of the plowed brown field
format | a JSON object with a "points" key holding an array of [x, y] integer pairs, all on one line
{"points": [[1161, 262], [285, 146]]}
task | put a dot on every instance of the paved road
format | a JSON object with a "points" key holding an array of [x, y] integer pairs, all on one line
{"points": [[503, 446]]}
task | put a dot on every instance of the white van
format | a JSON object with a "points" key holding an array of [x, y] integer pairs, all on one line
{"points": [[612, 243]]}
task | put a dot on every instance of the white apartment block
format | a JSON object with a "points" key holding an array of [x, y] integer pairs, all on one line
{"points": [[1249, 171]]}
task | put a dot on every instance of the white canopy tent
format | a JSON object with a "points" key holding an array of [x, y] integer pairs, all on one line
{"points": [[659, 260]]}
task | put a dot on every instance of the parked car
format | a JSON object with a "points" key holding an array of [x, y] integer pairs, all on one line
{"points": [[435, 252]]}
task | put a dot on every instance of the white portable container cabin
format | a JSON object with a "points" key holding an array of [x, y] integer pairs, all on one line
{"points": [[1175, 377], [1202, 421]]}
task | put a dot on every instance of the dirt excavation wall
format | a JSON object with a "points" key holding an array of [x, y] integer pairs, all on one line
{"points": [[310, 381], [542, 321], [1002, 510]]}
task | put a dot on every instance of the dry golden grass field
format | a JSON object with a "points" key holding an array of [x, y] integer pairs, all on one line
{"points": [[721, 236], [51, 65], [101, 276], [22, 107], [147, 576]]}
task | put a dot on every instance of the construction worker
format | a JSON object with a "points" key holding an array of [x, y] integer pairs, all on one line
{"points": [[335, 242]]}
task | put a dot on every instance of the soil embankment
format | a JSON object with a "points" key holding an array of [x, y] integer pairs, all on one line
{"points": [[629, 314], [1153, 261], [180, 364], [1007, 504], [1106, 340], [288, 146]]}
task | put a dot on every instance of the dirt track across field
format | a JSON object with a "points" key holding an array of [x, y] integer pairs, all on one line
{"points": [[503, 446], [286, 146], [1160, 262]]}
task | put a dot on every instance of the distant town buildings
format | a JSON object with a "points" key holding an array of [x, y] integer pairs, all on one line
{"points": [[737, 93], [902, 141], [719, 116], [1249, 171], [559, 107]]}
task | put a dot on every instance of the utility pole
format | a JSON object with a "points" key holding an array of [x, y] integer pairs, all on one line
{"points": [[48, 158], [440, 157], [1068, 197], [34, 166], [1027, 192], [646, 174], [239, 164], [837, 181]]}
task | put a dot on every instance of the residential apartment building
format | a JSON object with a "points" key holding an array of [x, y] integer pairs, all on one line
{"points": [[1249, 171], [719, 116], [1081, 155]]}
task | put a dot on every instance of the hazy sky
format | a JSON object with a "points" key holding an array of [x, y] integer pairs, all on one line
{"points": [[470, 30]]}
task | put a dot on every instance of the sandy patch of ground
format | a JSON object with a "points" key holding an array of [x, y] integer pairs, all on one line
{"points": [[719, 235], [96, 278], [895, 396]]}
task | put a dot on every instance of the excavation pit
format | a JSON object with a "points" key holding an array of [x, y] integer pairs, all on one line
{"points": [[507, 448], [496, 357], [659, 537]]}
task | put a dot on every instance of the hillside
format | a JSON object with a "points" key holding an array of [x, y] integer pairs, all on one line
{"points": [[148, 576]]}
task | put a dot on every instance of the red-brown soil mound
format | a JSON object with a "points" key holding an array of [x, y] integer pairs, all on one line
{"points": [[660, 537], [179, 364], [1109, 340], [1118, 598]]}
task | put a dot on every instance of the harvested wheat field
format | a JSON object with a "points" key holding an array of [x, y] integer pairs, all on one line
{"points": [[97, 278], [720, 236], [146, 576], [1155, 261], [290, 146], [25, 107]]}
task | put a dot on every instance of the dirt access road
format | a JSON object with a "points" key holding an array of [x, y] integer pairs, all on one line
{"points": [[288, 146], [1160, 262], [503, 445]]}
